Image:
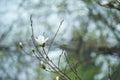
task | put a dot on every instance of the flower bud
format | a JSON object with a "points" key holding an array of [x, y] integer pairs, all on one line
{"points": [[57, 77], [41, 40], [33, 50], [43, 65], [20, 45]]}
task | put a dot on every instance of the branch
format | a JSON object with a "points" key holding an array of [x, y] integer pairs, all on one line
{"points": [[111, 4], [55, 36], [92, 48], [46, 58]]}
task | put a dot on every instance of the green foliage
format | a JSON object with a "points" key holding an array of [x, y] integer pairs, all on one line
{"points": [[85, 70], [76, 34], [88, 72], [40, 74]]}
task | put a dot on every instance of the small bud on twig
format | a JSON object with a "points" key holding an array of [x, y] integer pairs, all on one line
{"points": [[57, 77], [43, 65], [20, 45], [33, 50]]}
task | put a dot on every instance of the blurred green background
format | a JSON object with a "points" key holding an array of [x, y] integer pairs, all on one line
{"points": [[90, 35]]}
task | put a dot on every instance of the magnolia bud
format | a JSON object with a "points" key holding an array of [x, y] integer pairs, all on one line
{"points": [[43, 65], [57, 77], [20, 45], [33, 50]]}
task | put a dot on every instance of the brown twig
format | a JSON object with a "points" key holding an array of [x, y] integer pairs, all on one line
{"points": [[46, 58], [55, 36], [76, 74]]}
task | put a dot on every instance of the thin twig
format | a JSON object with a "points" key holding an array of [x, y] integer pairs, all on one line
{"points": [[72, 68], [33, 39], [55, 36], [109, 73], [55, 67], [65, 69], [48, 61], [59, 58], [39, 58]]}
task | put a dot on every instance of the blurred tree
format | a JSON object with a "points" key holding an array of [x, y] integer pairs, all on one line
{"points": [[90, 35]]}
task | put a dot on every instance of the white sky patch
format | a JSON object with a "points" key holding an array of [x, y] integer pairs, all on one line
{"points": [[35, 1], [99, 76], [25, 16], [104, 2], [54, 56], [105, 61], [9, 17], [53, 19], [118, 27], [22, 76]]}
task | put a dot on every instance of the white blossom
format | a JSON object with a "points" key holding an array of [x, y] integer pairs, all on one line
{"points": [[41, 40], [57, 77]]}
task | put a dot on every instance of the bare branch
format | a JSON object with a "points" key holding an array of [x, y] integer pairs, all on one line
{"points": [[46, 58], [60, 58], [55, 36], [76, 74]]}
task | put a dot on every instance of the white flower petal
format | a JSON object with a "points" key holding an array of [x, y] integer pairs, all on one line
{"points": [[41, 40], [46, 39], [37, 40]]}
